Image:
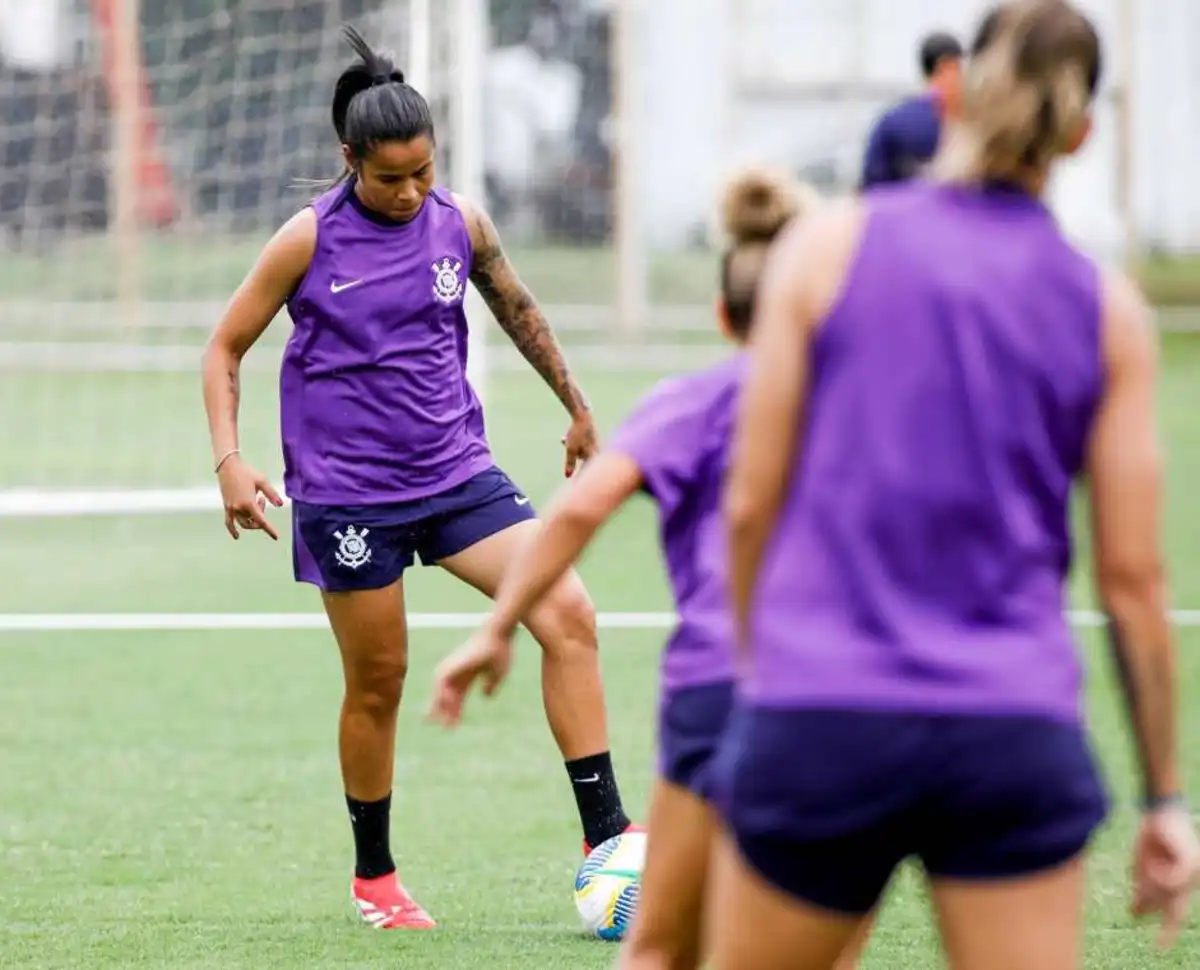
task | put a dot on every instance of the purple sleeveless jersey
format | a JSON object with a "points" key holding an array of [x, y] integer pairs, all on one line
{"points": [[679, 436], [921, 558], [374, 400]]}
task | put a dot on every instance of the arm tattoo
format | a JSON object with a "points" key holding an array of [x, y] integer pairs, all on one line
{"points": [[517, 312], [235, 387]]}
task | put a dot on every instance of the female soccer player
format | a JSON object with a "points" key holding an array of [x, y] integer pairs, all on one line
{"points": [[931, 369], [384, 448], [673, 447]]}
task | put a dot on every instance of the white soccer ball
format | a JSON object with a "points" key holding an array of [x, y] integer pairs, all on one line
{"points": [[606, 887]]}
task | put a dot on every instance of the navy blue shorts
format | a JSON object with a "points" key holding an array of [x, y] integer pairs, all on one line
{"points": [[691, 723], [826, 804], [352, 547]]}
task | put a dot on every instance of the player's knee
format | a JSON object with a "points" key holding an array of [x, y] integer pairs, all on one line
{"points": [[374, 686], [567, 620]]}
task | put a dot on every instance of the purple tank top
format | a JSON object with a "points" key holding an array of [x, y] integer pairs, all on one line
{"points": [[679, 436], [922, 555], [374, 400]]}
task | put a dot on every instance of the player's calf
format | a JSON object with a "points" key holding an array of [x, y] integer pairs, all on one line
{"points": [[564, 624]]}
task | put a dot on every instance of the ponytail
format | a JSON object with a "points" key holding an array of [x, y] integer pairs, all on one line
{"points": [[1030, 81], [373, 104], [370, 70]]}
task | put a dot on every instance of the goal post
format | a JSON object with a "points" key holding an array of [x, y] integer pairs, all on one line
{"points": [[632, 262], [470, 37], [445, 56]]}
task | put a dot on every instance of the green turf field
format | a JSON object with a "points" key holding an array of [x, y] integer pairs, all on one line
{"points": [[171, 800], [200, 266]]}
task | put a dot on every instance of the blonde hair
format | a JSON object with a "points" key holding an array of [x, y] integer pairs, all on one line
{"points": [[758, 203], [1029, 84]]}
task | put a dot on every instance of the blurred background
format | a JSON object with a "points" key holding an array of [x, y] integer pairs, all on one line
{"points": [[150, 147]]}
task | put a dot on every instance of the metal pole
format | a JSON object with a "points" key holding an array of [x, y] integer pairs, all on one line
{"points": [[632, 265]]}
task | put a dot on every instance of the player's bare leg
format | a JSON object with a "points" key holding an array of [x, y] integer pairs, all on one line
{"points": [[372, 635], [564, 624], [666, 932], [1034, 922], [758, 927]]}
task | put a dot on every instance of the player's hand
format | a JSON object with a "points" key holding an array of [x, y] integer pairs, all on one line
{"points": [[245, 493], [487, 656], [581, 441], [1166, 869]]}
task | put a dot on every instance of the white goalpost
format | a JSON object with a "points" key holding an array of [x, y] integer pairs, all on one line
{"points": [[453, 34], [470, 37]]}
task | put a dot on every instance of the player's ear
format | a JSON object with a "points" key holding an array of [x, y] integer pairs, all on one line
{"points": [[721, 311], [348, 158], [1081, 136]]}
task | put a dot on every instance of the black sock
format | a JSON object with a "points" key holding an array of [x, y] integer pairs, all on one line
{"points": [[598, 798], [371, 822]]}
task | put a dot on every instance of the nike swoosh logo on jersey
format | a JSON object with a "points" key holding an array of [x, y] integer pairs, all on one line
{"points": [[336, 287], [521, 500]]}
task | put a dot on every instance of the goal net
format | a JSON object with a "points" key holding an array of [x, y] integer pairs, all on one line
{"points": [[143, 163]]}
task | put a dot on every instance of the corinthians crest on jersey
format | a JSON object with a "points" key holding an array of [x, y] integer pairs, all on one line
{"points": [[447, 280], [352, 550]]}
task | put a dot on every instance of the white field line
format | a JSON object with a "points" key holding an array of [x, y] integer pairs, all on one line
{"points": [[49, 503], [96, 622], [164, 622]]}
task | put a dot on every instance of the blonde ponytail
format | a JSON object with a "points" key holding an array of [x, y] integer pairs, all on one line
{"points": [[1028, 88]]}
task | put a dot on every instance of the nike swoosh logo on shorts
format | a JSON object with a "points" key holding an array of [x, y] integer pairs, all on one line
{"points": [[338, 287], [521, 500]]}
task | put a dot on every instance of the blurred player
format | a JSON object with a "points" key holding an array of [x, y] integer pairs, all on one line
{"points": [[906, 137], [384, 447], [673, 447], [932, 368]]}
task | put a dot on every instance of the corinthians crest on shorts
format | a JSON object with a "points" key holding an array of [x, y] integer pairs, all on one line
{"points": [[447, 280], [352, 550]]}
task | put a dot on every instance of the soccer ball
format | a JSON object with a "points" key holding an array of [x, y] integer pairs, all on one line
{"points": [[606, 887]]}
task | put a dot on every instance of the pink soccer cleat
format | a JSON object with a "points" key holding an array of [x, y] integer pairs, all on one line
{"points": [[385, 904]]}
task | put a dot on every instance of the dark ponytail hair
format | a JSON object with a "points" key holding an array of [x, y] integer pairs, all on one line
{"points": [[373, 104]]}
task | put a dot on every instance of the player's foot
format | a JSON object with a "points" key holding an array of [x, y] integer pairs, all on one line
{"points": [[632, 827], [384, 904]]}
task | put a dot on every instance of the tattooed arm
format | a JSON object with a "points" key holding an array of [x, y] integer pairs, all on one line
{"points": [[282, 263], [515, 309], [517, 312]]}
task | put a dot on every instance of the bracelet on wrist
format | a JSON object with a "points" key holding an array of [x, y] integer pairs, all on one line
{"points": [[225, 457]]}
